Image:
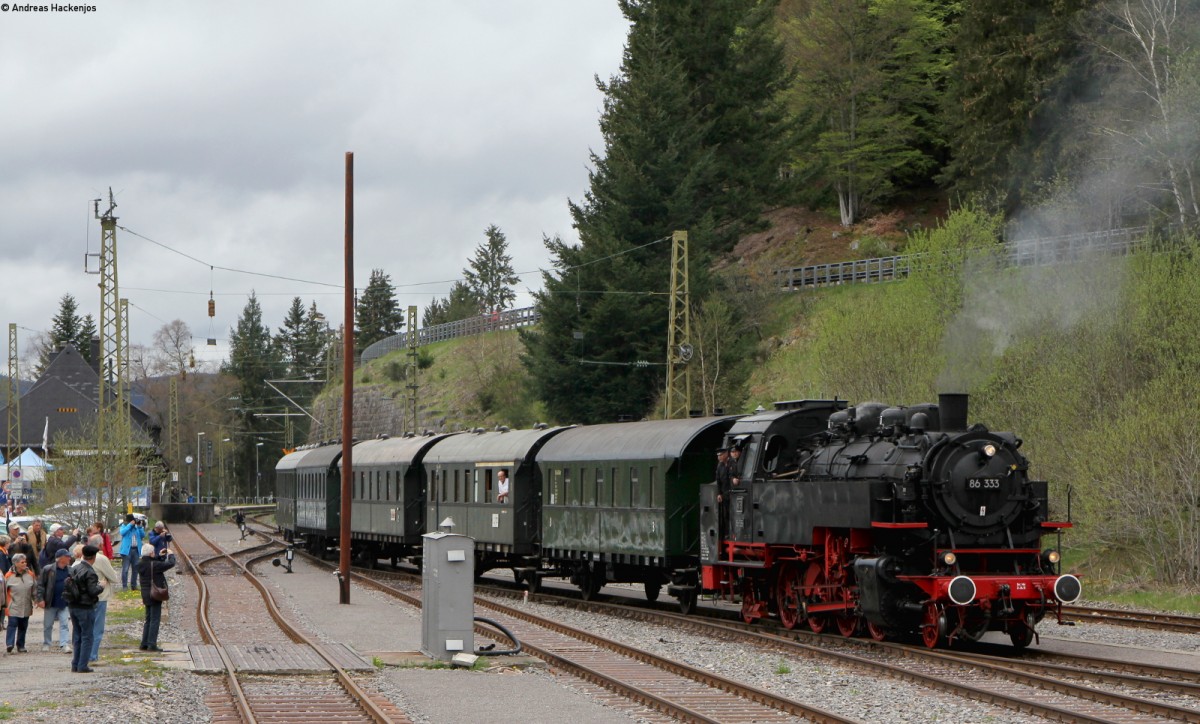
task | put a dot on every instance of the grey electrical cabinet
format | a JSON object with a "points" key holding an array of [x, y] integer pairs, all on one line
{"points": [[448, 595]]}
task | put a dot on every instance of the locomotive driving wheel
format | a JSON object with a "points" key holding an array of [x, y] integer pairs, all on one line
{"points": [[848, 625], [787, 595], [815, 590], [750, 605], [877, 632]]}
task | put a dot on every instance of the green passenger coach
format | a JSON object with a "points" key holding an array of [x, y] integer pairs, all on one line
{"points": [[619, 502]]}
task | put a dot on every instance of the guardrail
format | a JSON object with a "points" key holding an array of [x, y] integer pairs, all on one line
{"points": [[1022, 252], [1042, 251], [508, 319]]}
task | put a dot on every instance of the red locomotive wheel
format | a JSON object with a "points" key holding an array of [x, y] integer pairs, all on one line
{"points": [[787, 595], [848, 625], [750, 605], [933, 627], [815, 590], [876, 631]]}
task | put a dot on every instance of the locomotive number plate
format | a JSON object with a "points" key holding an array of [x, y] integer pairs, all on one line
{"points": [[983, 483]]}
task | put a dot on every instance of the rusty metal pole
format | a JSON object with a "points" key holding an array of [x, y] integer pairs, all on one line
{"points": [[347, 387]]}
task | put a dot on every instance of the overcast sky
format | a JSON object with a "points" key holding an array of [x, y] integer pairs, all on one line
{"points": [[222, 128]]}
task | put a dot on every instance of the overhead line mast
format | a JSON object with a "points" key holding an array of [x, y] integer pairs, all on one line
{"points": [[113, 434], [14, 402], [679, 333]]}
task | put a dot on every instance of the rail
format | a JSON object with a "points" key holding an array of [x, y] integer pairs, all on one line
{"points": [[1041, 251], [372, 710]]}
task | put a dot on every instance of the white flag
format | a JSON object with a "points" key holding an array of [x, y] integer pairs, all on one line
{"points": [[46, 439]]}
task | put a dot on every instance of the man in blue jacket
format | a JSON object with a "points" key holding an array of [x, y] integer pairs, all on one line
{"points": [[133, 531], [160, 536]]}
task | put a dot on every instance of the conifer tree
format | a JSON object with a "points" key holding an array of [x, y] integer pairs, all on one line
{"points": [[460, 304], [691, 126], [378, 314], [490, 275], [253, 358], [1017, 69]]}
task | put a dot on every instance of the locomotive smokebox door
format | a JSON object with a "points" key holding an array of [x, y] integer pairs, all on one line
{"points": [[448, 595]]}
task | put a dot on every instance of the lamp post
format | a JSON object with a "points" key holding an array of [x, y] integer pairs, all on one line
{"points": [[257, 474], [199, 464]]}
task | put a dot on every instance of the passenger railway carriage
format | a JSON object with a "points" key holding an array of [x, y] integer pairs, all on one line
{"points": [[620, 502], [387, 508], [461, 474]]}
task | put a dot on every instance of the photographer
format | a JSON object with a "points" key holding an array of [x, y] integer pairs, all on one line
{"points": [[160, 536], [133, 532]]}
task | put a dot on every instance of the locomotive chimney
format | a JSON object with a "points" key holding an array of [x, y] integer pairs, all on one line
{"points": [[952, 409]]}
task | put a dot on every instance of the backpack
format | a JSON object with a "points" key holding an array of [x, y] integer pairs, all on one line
{"points": [[71, 591]]}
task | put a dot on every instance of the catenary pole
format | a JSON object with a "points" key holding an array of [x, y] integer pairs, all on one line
{"points": [[347, 386]]}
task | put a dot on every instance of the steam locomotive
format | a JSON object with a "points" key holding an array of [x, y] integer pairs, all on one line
{"points": [[894, 521]]}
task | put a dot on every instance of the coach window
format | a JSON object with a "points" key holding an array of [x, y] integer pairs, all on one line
{"points": [[655, 493], [621, 491], [592, 494], [615, 483], [572, 488], [489, 495]]}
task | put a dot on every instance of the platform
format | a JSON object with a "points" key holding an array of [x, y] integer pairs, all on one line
{"points": [[275, 658]]}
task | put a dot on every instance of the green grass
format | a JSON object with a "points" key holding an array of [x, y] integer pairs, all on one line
{"points": [[7, 711], [783, 669], [134, 595], [1158, 600]]}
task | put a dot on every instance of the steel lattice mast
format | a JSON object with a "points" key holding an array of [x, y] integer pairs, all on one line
{"points": [[679, 333], [411, 371], [112, 412], [13, 441]]}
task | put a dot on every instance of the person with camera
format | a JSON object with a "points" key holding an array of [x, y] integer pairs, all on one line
{"points": [[133, 532], [152, 581], [160, 536]]}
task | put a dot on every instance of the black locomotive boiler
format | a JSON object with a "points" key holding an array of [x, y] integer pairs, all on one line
{"points": [[896, 520]]}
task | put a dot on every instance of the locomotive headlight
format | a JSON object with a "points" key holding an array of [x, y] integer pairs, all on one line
{"points": [[989, 450], [1051, 556], [948, 558]]}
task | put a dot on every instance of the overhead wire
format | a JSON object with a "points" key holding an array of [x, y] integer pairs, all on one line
{"points": [[394, 286]]}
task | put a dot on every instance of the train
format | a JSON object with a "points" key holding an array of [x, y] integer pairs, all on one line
{"points": [[897, 522]]}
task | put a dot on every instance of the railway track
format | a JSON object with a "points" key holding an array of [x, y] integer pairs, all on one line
{"points": [[681, 692], [1135, 619], [1070, 690], [265, 698], [1056, 687]]}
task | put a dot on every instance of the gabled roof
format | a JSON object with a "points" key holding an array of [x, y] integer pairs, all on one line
{"points": [[66, 394]]}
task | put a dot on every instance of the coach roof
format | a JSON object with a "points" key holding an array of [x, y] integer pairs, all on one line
{"points": [[649, 440], [502, 447], [389, 451]]}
